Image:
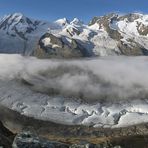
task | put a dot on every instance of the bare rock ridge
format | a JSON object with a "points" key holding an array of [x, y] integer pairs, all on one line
{"points": [[53, 46], [6, 137], [111, 34]]}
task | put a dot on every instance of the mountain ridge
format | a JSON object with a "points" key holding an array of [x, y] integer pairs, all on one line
{"points": [[111, 34]]}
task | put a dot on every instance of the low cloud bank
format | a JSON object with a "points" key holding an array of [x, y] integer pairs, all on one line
{"points": [[106, 78]]}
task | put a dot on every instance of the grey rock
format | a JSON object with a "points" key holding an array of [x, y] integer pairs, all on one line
{"points": [[118, 146], [82, 146], [59, 47], [26, 139], [6, 137]]}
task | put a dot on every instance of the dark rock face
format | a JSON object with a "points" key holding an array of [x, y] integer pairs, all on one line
{"points": [[104, 22], [130, 17], [6, 137], [142, 29], [88, 145], [28, 140], [131, 50], [82, 146], [72, 31], [59, 47]]}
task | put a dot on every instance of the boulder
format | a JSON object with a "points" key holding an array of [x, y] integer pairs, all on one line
{"points": [[27, 139]]}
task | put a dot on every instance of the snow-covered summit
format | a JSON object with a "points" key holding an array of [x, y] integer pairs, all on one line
{"points": [[111, 34], [19, 24], [76, 21], [20, 34], [62, 22]]}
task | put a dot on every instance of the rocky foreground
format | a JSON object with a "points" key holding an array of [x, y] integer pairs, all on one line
{"points": [[29, 139], [26, 132]]}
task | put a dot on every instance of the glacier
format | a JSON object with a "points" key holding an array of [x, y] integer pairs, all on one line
{"points": [[100, 92]]}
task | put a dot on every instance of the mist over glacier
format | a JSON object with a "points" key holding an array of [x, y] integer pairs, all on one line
{"points": [[104, 78]]}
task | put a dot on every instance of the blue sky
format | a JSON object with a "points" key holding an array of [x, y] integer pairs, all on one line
{"points": [[84, 9]]}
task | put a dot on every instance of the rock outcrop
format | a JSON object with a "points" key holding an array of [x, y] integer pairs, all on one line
{"points": [[26, 139], [60, 47], [6, 137]]}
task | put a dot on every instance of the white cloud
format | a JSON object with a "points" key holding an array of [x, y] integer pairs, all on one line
{"points": [[110, 78]]}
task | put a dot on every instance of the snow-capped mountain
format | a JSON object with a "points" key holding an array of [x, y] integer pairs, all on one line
{"points": [[112, 34], [18, 34], [61, 22], [18, 25], [107, 35]]}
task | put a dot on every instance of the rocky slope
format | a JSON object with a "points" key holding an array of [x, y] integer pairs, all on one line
{"points": [[6, 137], [112, 34]]}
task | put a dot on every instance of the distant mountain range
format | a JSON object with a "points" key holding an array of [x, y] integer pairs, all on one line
{"points": [[111, 34]]}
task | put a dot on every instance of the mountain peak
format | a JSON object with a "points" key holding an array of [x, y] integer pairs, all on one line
{"points": [[14, 18], [76, 21], [17, 24], [17, 14], [62, 22]]}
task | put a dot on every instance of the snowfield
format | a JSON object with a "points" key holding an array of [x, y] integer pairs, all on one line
{"points": [[102, 92]]}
